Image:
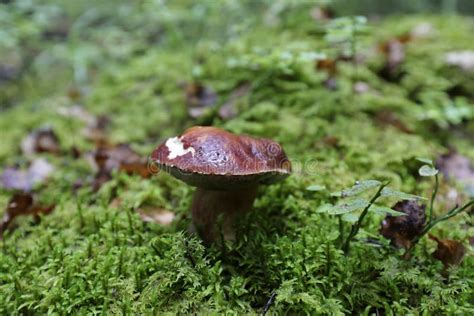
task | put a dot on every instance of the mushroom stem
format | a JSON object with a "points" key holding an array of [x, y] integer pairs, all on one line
{"points": [[214, 211]]}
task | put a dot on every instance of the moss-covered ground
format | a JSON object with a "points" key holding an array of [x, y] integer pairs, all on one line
{"points": [[131, 63]]}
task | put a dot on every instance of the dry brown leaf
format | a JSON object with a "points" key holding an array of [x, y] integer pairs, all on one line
{"points": [[24, 180], [328, 65], [199, 99], [322, 13], [22, 204], [402, 230], [39, 141], [387, 117], [96, 131], [394, 52], [449, 252], [330, 141], [116, 203], [119, 157], [74, 94], [156, 215]]}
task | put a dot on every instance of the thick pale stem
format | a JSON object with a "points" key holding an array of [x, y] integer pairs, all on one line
{"points": [[214, 212]]}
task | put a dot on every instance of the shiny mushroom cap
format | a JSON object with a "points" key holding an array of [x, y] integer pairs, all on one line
{"points": [[213, 158]]}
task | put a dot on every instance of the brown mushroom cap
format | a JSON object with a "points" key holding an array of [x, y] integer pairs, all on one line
{"points": [[213, 158]]}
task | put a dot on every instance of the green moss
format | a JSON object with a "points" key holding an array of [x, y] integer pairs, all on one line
{"points": [[87, 257]]}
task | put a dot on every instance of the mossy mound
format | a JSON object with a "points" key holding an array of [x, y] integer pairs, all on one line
{"points": [[90, 257]]}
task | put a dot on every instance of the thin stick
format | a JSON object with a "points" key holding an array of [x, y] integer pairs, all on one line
{"points": [[433, 197], [269, 303], [453, 212], [355, 228]]}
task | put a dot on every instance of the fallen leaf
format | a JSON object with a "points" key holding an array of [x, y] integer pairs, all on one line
{"points": [[402, 230], [116, 203], [75, 152], [322, 13], [96, 131], [229, 109], [24, 180], [449, 252], [74, 94], [156, 215], [77, 112], [387, 117], [199, 99], [457, 167], [119, 157], [22, 204], [328, 65], [461, 59], [330, 141], [394, 52], [39, 141]]}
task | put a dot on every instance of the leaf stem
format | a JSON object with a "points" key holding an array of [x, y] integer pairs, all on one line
{"points": [[453, 212], [341, 230], [355, 228], [433, 197]]}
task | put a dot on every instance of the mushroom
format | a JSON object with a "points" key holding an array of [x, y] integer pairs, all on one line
{"points": [[226, 169]]}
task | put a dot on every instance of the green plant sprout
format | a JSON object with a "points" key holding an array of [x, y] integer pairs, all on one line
{"points": [[347, 208], [343, 32], [429, 170]]}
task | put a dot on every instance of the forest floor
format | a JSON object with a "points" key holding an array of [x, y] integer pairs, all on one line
{"points": [[88, 228]]}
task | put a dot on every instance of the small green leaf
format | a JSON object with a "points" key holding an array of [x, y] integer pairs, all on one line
{"points": [[427, 171], [389, 192], [325, 208], [358, 188], [316, 187], [350, 217], [425, 160], [333, 235], [379, 209], [349, 206]]}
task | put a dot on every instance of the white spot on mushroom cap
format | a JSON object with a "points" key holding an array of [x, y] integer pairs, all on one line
{"points": [[176, 148]]}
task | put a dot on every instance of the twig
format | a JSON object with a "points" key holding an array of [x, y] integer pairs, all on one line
{"points": [[189, 255], [433, 197], [355, 228], [269, 303], [341, 230], [453, 212]]}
